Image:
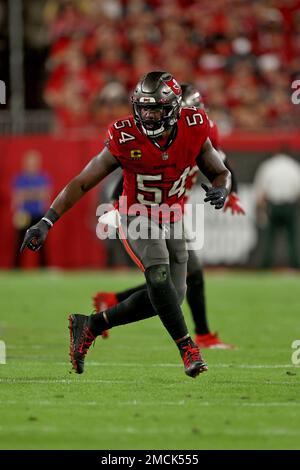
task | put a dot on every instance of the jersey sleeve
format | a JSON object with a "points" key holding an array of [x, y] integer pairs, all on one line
{"points": [[198, 131], [111, 142]]}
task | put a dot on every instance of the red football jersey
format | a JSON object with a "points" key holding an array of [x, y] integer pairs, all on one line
{"points": [[153, 177], [194, 173]]}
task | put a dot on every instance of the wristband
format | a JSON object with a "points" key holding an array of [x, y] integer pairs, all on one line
{"points": [[50, 217], [48, 222]]}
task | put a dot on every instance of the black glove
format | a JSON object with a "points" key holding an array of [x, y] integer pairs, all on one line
{"points": [[216, 196], [35, 236]]}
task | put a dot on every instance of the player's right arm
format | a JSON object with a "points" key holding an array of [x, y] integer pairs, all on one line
{"points": [[92, 174], [99, 167]]}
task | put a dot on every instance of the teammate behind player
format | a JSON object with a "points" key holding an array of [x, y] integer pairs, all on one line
{"points": [[195, 294], [156, 147], [195, 280]]}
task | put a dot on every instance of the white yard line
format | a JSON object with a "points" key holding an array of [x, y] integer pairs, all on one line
{"points": [[257, 366], [211, 365], [284, 432], [27, 428], [160, 365], [212, 403], [63, 381]]}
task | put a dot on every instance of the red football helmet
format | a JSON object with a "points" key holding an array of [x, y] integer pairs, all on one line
{"points": [[191, 96]]}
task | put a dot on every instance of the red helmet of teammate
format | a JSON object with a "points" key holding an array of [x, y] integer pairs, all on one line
{"points": [[191, 96]]}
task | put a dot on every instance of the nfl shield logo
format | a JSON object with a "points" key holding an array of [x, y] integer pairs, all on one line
{"points": [[165, 156]]}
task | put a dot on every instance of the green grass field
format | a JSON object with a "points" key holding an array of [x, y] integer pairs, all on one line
{"points": [[134, 393]]}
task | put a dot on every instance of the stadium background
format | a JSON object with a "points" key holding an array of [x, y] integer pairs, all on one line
{"points": [[73, 69]]}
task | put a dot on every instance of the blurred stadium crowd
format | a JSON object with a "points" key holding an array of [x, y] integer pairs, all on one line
{"points": [[82, 59], [242, 54]]}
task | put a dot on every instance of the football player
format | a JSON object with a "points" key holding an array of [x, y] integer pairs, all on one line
{"points": [[156, 147], [195, 294]]}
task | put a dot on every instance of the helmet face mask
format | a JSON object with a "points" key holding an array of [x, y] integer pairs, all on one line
{"points": [[155, 119], [156, 103]]}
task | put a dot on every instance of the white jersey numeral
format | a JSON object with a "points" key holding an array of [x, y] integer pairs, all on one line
{"points": [[156, 192], [125, 137], [194, 119], [179, 185], [121, 124]]}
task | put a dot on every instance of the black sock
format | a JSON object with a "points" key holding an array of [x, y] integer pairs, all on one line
{"points": [[97, 324], [165, 301], [196, 299], [127, 293], [185, 342], [137, 307]]}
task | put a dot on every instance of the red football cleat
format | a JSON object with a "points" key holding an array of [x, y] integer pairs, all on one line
{"points": [[192, 360], [211, 341], [103, 301], [81, 339]]}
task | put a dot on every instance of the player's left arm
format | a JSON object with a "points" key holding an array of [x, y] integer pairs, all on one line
{"points": [[234, 185], [233, 201], [211, 165]]}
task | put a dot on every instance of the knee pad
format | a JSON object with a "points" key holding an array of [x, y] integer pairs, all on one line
{"points": [[161, 286], [158, 276]]}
